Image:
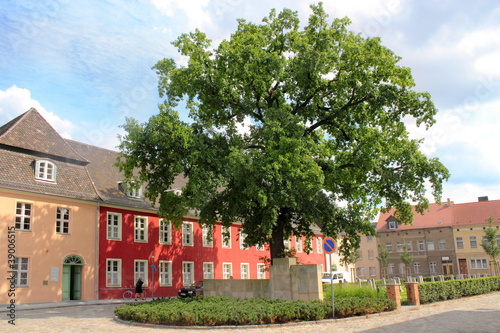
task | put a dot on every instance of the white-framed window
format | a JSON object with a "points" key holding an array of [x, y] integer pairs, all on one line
{"points": [[392, 224], [165, 273], [131, 190], [141, 270], [432, 267], [245, 271], [45, 170], [114, 226], [442, 244], [369, 238], [23, 216], [227, 270], [165, 231], [421, 245], [319, 244], [208, 270], [360, 254], [62, 220], [473, 242], [430, 245], [286, 243], [140, 229], [207, 236], [372, 271], [260, 247], [114, 273], [187, 234], [187, 272], [460, 242], [401, 268], [361, 272], [261, 271], [478, 264], [388, 246], [370, 254], [416, 268], [390, 268], [298, 244], [498, 240], [226, 237], [243, 236], [408, 246], [20, 268], [399, 246]]}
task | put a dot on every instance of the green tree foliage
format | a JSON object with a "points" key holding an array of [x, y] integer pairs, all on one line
{"points": [[383, 254], [406, 257], [326, 110], [489, 243]]}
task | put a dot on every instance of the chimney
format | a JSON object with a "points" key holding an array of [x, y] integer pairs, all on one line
{"points": [[480, 199], [449, 202]]}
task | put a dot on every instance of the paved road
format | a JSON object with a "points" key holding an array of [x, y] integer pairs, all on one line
{"points": [[479, 314]]}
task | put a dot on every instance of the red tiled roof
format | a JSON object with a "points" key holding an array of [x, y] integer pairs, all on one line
{"points": [[436, 216], [447, 214], [476, 212]]}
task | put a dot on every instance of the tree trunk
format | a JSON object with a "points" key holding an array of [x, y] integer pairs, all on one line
{"points": [[277, 245]]}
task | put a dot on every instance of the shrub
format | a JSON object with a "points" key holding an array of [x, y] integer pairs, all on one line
{"points": [[215, 311], [452, 289]]}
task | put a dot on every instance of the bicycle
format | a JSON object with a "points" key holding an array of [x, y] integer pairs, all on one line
{"points": [[130, 292]]}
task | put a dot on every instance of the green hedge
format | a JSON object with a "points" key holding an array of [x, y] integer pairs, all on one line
{"points": [[444, 290], [216, 311]]}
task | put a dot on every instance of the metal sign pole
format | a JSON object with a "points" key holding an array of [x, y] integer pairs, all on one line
{"points": [[333, 298]]}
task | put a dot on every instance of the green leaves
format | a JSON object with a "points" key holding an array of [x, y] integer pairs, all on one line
{"points": [[325, 111]]}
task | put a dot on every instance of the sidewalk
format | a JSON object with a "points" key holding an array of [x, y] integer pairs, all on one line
{"points": [[63, 304]]}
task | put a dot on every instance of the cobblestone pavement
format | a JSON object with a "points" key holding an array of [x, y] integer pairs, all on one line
{"points": [[473, 314]]}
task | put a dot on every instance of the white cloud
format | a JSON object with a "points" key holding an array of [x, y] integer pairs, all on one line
{"points": [[474, 41], [15, 101], [194, 10], [488, 64]]}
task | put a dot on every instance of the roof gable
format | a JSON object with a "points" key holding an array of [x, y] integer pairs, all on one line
{"points": [[31, 132]]}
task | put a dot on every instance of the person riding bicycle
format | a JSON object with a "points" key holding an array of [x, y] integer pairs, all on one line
{"points": [[138, 289]]}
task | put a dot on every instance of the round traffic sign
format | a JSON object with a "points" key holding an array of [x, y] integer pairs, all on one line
{"points": [[329, 245]]}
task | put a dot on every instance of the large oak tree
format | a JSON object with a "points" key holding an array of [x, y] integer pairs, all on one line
{"points": [[325, 142]]}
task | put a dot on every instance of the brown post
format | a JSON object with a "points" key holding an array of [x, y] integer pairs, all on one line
{"points": [[393, 294], [412, 293]]}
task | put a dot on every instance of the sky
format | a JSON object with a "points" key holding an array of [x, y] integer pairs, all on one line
{"points": [[86, 66]]}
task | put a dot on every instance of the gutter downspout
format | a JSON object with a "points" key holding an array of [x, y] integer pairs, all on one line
{"points": [[96, 264]]}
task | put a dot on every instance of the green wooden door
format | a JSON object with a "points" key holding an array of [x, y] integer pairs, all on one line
{"points": [[76, 281], [66, 283]]}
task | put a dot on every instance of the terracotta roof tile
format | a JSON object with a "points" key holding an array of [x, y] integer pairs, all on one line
{"points": [[448, 214], [437, 216]]}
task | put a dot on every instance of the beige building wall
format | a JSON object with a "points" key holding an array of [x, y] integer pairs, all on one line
{"points": [[471, 257], [46, 250], [367, 266]]}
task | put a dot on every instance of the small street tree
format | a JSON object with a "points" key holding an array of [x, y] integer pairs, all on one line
{"points": [[490, 246], [383, 258], [407, 258], [285, 123]]}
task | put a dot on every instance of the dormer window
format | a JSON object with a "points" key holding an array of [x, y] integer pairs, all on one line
{"points": [[131, 191], [45, 170], [391, 223]]}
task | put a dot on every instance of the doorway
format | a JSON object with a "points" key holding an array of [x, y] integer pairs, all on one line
{"points": [[462, 266], [447, 269], [72, 278]]}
